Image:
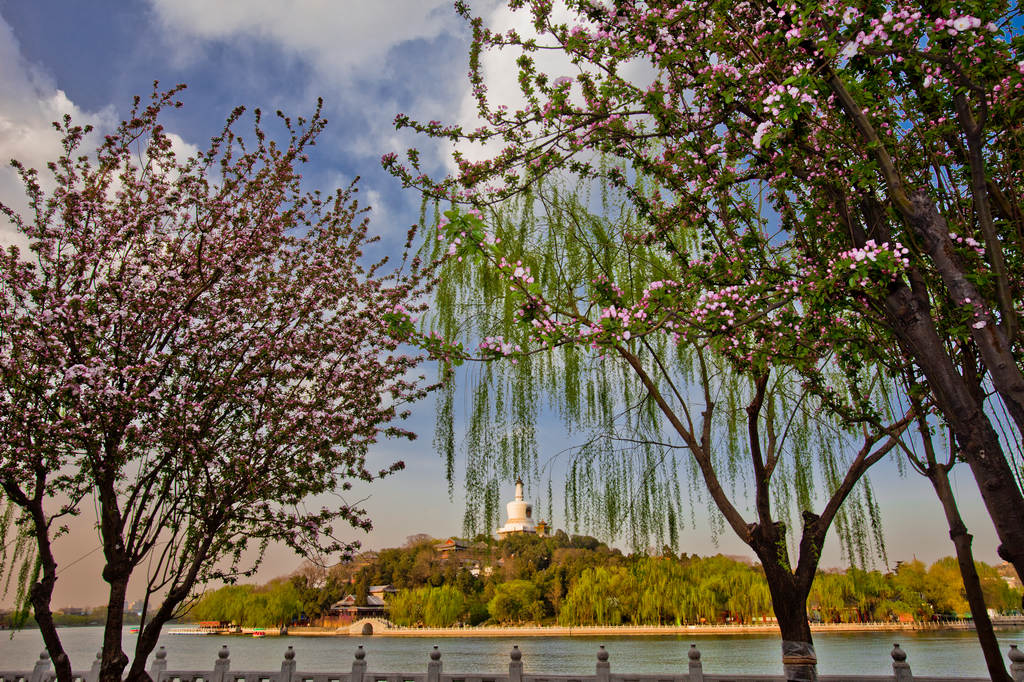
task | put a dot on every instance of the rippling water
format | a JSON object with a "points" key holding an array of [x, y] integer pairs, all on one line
{"points": [[928, 652]]}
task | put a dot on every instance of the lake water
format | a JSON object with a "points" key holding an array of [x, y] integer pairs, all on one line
{"points": [[952, 653]]}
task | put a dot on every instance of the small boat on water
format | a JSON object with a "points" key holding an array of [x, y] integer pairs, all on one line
{"points": [[259, 633]]}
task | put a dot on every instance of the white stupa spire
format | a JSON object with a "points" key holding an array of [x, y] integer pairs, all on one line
{"points": [[520, 515]]}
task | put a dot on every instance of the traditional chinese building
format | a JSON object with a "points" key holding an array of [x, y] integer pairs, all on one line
{"points": [[346, 611], [451, 548]]}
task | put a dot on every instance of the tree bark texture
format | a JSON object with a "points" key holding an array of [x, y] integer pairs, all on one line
{"points": [[114, 660], [977, 440], [789, 592], [991, 341], [41, 593], [972, 582], [909, 318]]}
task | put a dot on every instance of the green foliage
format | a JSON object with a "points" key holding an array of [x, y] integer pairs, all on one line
{"points": [[19, 565], [913, 591], [577, 580], [277, 603], [516, 601], [536, 282], [434, 607]]}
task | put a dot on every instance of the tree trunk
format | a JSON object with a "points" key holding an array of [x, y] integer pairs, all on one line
{"points": [[789, 594], [995, 349], [148, 638], [113, 657], [39, 596], [150, 633], [909, 317], [41, 593], [977, 440], [972, 583]]}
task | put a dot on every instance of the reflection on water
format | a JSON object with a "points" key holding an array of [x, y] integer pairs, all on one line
{"points": [[864, 653]]}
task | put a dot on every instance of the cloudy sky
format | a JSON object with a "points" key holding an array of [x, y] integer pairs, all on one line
{"points": [[368, 60]]}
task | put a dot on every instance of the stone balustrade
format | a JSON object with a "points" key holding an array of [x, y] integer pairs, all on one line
{"points": [[222, 672]]}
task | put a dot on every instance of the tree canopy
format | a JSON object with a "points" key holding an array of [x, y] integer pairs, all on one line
{"points": [[194, 347], [578, 581], [834, 186]]}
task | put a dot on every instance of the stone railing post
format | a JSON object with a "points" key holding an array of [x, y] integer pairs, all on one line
{"points": [[515, 666], [94, 672], [222, 665], [288, 666], [41, 668], [604, 668], [1016, 663], [900, 667], [696, 671], [358, 665], [434, 666], [159, 664]]}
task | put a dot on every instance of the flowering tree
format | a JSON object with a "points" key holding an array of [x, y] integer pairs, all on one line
{"points": [[884, 141], [750, 416], [831, 182], [194, 347]]}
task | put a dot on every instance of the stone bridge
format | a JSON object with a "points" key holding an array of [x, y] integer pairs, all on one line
{"points": [[369, 626]]}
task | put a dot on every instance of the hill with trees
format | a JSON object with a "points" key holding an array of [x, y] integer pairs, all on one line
{"points": [[577, 580]]}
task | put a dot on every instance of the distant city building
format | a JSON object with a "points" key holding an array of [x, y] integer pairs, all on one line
{"points": [[520, 515]]}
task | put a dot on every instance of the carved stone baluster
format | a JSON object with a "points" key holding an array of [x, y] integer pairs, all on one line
{"points": [[159, 665], [288, 665], [94, 672], [1016, 663], [515, 666], [604, 668], [358, 665], [434, 666], [222, 665], [41, 668], [696, 670], [900, 667]]}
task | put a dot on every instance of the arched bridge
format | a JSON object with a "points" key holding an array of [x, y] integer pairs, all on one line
{"points": [[369, 626]]}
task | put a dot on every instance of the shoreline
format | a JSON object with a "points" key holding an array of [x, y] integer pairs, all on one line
{"points": [[642, 630]]}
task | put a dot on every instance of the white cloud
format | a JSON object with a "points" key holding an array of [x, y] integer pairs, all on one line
{"points": [[30, 103], [501, 73], [335, 37], [345, 44], [182, 149]]}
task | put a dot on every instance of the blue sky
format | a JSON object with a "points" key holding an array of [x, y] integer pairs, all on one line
{"points": [[369, 60]]}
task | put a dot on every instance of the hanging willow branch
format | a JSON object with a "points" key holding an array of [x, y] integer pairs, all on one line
{"points": [[627, 474]]}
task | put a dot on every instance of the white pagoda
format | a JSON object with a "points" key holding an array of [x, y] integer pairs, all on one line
{"points": [[520, 515]]}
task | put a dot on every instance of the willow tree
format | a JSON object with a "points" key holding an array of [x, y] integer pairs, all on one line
{"points": [[194, 348], [636, 343], [888, 129]]}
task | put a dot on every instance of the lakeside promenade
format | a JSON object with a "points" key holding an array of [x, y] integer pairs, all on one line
{"points": [[639, 630]]}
